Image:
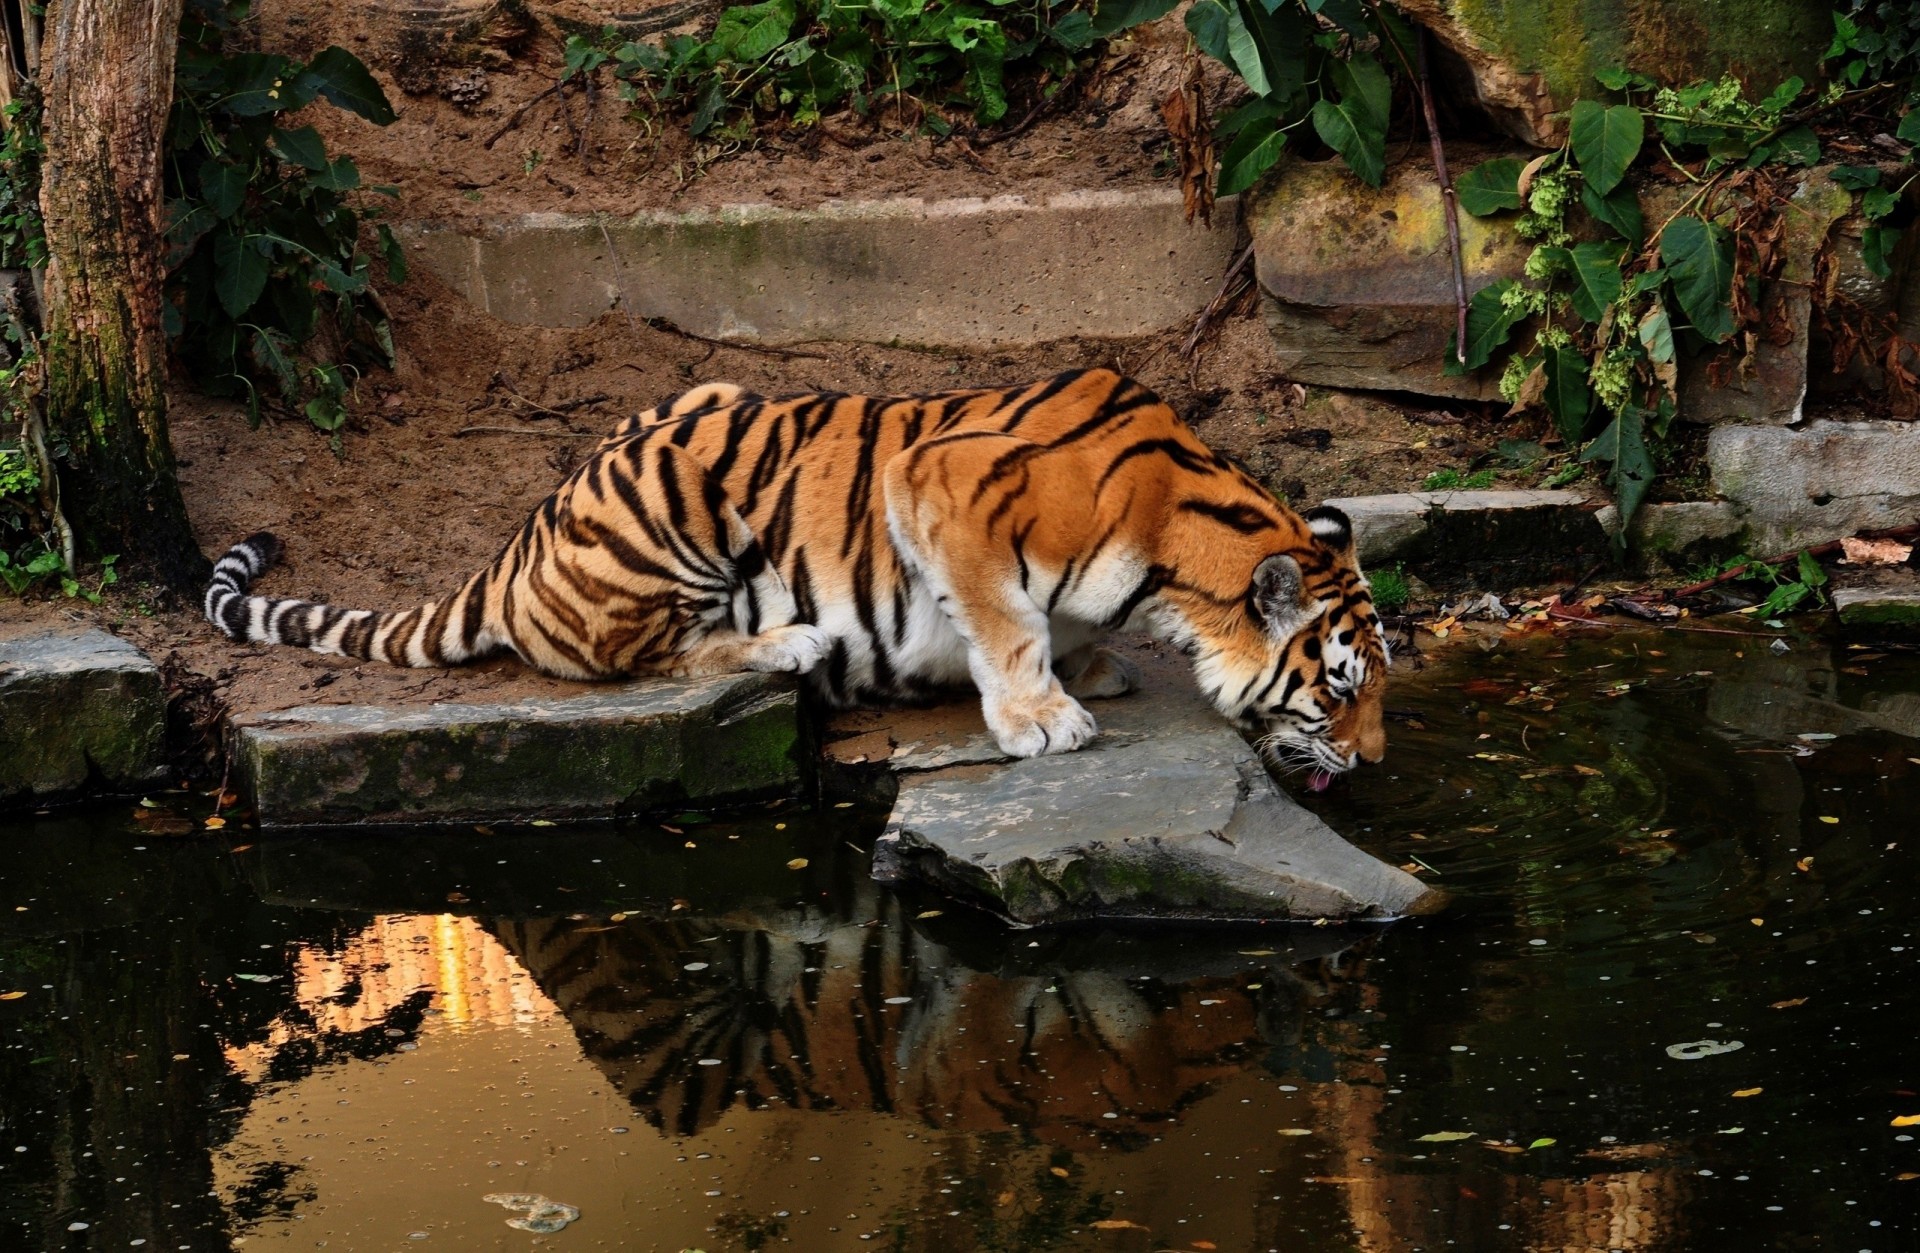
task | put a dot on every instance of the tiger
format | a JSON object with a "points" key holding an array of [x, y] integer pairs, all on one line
{"points": [[895, 548]]}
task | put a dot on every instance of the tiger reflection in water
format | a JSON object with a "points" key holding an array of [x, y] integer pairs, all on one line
{"points": [[799, 1017]]}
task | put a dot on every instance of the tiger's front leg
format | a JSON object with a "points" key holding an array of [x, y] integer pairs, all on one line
{"points": [[962, 542]]}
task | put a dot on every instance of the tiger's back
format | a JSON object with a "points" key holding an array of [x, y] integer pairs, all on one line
{"points": [[894, 547]]}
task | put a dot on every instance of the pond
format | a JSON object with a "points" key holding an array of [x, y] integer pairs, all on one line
{"points": [[1673, 1008]]}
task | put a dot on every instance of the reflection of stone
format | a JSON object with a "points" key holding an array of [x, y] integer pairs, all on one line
{"points": [[884, 1018]]}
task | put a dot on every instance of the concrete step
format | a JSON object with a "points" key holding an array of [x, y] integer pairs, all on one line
{"points": [[80, 710], [634, 746]]}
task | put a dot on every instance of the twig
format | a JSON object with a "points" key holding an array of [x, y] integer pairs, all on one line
{"points": [[569, 406], [619, 272], [519, 430], [1033, 115], [663, 324], [1818, 550], [1450, 202], [1214, 306], [519, 113], [586, 125]]}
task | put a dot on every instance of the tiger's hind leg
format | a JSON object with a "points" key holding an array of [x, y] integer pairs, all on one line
{"points": [[1094, 673]]}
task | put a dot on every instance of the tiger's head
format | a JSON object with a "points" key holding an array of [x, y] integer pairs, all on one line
{"points": [[1289, 645]]}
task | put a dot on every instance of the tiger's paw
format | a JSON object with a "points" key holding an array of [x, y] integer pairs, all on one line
{"points": [[1058, 725], [792, 649], [1107, 674]]}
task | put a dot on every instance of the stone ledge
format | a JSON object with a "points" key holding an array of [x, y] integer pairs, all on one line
{"points": [[1499, 538], [973, 273], [632, 747], [1820, 483], [80, 710]]}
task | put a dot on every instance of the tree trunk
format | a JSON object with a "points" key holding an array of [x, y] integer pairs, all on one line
{"points": [[107, 69]]}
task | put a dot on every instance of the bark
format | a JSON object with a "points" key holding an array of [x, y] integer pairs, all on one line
{"points": [[107, 70]]}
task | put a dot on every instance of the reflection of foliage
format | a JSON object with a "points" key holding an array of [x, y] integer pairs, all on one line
{"points": [[752, 1233], [1005, 1214]]}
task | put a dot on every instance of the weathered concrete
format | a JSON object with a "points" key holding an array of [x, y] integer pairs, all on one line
{"points": [[630, 747], [80, 711], [1528, 63], [1497, 538], [1168, 815], [1358, 284], [953, 273], [1880, 609], [1682, 535], [1829, 480]]}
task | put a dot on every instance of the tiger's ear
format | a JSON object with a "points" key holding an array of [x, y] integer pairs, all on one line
{"points": [[1332, 528], [1277, 595]]}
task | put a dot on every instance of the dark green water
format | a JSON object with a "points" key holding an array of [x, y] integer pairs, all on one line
{"points": [[353, 1043]]}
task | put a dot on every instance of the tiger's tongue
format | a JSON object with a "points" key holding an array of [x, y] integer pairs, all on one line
{"points": [[1320, 780]]}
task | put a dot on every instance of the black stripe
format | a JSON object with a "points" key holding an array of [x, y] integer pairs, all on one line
{"points": [[1042, 394], [1242, 518], [1151, 582], [1177, 452]]}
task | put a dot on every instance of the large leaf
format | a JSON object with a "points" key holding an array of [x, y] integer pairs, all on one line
{"points": [[1282, 38], [341, 77], [1606, 139], [302, 147], [1251, 154], [749, 32], [257, 83], [341, 174], [187, 225], [1624, 444], [1355, 126], [1699, 262], [1118, 15], [396, 256], [1348, 15], [1568, 397], [1909, 131], [1074, 32], [1596, 278], [1620, 209], [1490, 187], [1489, 325], [239, 272], [272, 351], [225, 187], [1213, 26]]}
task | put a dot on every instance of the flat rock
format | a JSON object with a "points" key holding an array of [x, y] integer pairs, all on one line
{"points": [[1885, 607], [1495, 538], [631, 747], [1794, 488], [1168, 815], [80, 711]]}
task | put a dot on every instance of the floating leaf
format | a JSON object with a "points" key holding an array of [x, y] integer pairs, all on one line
{"points": [[1907, 1120], [1490, 187], [1543, 1142], [1442, 1137], [11, 996], [1059, 1171], [1500, 1147], [214, 824], [1296, 1131], [1803, 865], [1749, 1091], [928, 913], [798, 863], [1117, 1224], [541, 822], [258, 978], [1832, 822]]}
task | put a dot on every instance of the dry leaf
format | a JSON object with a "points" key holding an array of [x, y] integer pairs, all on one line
{"points": [[1873, 552], [1833, 822], [1191, 132], [1798, 1000], [11, 996], [1803, 865], [214, 824], [1331, 1179], [1749, 1091], [1061, 1171], [1498, 1147], [1117, 1224], [1587, 770], [1005, 1198], [928, 913], [1296, 1131], [674, 830], [1202, 1244], [1906, 1175], [240, 848], [1907, 1120], [798, 863], [1441, 1137], [1531, 169]]}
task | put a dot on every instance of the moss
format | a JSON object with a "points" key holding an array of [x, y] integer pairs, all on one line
{"points": [[1882, 613]]}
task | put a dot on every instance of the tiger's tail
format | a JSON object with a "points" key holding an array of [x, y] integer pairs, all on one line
{"points": [[438, 633]]}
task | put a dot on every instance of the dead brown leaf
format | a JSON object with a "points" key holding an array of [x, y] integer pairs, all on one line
{"points": [[1117, 1224], [1873, 552], [1188, 126]]}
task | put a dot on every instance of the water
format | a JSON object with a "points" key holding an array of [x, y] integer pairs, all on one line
{"points": [[698, 1043]]}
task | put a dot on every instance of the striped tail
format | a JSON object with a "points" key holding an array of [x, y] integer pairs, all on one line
{"points": [[438, 633]]}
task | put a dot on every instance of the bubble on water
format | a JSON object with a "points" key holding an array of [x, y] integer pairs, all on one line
{"points": [[899, 1000], [709, 1061], [694, 966]]}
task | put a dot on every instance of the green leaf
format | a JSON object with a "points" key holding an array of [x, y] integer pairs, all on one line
{"points": [[341, 77], [1210, 23], [1646, 282], [1909, 130], [1783, 96], [1074, 32], [1596, 278], [257, 83], [1855, 177], [1443, 1137], [1624, 444], [1606, 139], [239, 272], [1568, 398], [1619, 209], [269, 349], [1877, 202], [1356, 125], [1281, 38], [1245, 115], [1115, 16], [1348, 15], [1699, 260], [1489, 325], [1242, 52], [1810, 572], [341, 175], [1799, 146], [396, 256], [713, 101], [225, 187], [1491, 187], [1876, 248], [1252, 153], [1656, 335], [750, 32], [303, 147]]}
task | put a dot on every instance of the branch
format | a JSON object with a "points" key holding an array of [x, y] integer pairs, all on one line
{"points": [[1450, 201], [1818, 550], [521, 112]]}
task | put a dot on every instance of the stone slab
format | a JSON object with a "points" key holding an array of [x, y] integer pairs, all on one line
{"points": [[80, 711], [1495, 538], [1795, 488], [631, 747], [1169, 814], [1682, 534], [971, 273], [1879, 608]]}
